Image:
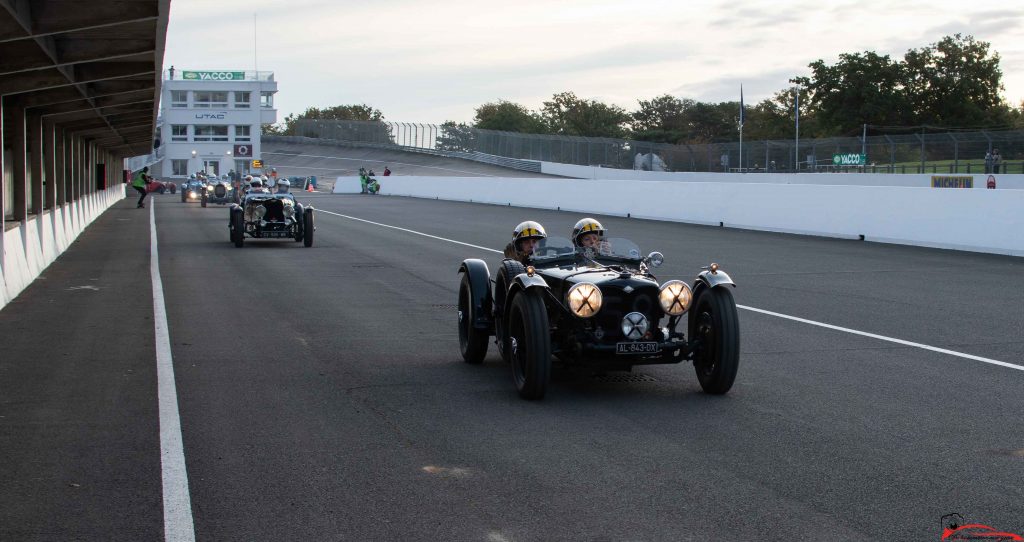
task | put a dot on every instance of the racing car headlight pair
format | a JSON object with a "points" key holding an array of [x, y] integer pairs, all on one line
{"points": [[584, 299], [675, 297]]}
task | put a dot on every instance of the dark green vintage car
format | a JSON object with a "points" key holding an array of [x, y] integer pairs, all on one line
{"points": [[602, 310]]}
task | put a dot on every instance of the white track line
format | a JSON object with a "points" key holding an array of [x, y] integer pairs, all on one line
{"points": [[178, 525], [409, 231], [884, 338], [752, 309]]}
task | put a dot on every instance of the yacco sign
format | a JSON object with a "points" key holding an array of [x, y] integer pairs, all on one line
{"points": [[952, 181], [849, 159], [218, 115], [213, 76]]}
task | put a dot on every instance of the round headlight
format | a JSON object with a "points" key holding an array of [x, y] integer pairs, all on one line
{"points": [[675, 297], [209, 188], [584, 299], [634, 326], [260, 211]]}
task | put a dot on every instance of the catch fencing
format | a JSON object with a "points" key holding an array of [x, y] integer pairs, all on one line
{"points": [[946, 152]]}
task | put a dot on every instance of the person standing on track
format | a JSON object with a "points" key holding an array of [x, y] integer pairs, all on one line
{"points": [[139, 183]]}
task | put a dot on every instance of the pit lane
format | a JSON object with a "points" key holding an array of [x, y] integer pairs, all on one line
{"points": [[322, 395]]}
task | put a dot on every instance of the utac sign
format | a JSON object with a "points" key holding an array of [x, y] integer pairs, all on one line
{"points": [[849, 159], [213, 76]]}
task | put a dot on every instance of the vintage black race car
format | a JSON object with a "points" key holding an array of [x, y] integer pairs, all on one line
{"points": [[192, 190], [219, 191], [264, 215], [599, 310]]}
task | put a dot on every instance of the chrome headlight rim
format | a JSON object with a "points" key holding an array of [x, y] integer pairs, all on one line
{"points": [[259, 211], [635, 326], [584, 299], [675, 297]]}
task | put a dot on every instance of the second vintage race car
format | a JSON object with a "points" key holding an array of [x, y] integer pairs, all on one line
{"points": [[219, 191], [600, 310], [263, 215]]}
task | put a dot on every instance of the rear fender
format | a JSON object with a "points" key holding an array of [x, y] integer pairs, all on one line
{"points": [[480, 292]]}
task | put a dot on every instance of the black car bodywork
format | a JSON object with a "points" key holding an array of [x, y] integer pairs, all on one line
{"points": [[270, 216], [530, 312], [219, 191]]}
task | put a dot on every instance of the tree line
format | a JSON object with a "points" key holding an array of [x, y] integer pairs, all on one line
{"points": [[955, 83]]}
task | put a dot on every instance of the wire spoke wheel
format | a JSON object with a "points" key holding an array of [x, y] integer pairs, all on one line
{"points": [[529, 344], [472, 341], [715, 325]]}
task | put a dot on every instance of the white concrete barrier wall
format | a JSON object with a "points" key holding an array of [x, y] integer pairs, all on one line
{"points": [[34, 244], [1003, 181], [975, 220]]}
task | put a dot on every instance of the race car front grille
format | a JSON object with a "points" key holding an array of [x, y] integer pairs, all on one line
{"points": [[220, 191], [617, 304]]}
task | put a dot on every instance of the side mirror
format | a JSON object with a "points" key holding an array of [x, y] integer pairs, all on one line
{"points": [[655, 259]]}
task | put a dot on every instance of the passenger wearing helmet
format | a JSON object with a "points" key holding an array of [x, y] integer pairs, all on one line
{"points": [[525, 239], [283, 185], [589, 233]]}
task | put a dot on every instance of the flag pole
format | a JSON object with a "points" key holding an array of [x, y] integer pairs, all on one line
{"points": [[741, 128]]}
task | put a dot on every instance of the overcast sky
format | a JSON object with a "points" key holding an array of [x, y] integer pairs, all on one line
{"points": [[431, 61]]}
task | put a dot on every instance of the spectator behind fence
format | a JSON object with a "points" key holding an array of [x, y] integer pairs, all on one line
{"points": [[997, 161], [988, 161]]}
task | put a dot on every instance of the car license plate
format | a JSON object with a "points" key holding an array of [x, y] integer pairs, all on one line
{"points": [[646, 347]]}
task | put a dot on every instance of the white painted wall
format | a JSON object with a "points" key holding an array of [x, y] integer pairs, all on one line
{"points": [[1010, 181], [974, 220], [35, 243]]}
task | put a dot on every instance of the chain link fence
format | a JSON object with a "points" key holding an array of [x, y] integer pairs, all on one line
{"points": [[947, 152]]}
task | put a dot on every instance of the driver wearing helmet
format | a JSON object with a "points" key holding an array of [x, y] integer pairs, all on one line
{"points": [[589, 233], [525, 239], [283, 185], [256, 186]]}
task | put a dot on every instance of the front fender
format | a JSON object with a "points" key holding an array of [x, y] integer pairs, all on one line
{"points": [[480, 292], [521, 283], [710, 280]]}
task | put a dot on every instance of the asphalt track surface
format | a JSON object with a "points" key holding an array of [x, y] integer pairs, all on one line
{"points": [[322, 396]]}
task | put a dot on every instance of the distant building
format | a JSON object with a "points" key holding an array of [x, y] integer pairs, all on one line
{"points": [[210, 120]]}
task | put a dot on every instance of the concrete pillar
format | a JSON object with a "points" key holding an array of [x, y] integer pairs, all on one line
{"points": [[68, 147], [3, 190], [18, 152], [34, 132], [60, 178], [49, 166], [3, 187]]}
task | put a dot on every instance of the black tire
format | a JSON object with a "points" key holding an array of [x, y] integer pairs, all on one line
{"points": [[307, 228], [173, 188], [715, 323], [509, 270], [300, 214], [530, 344], [202, 200], [183, 195], [472, 341], [237, 229]]}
